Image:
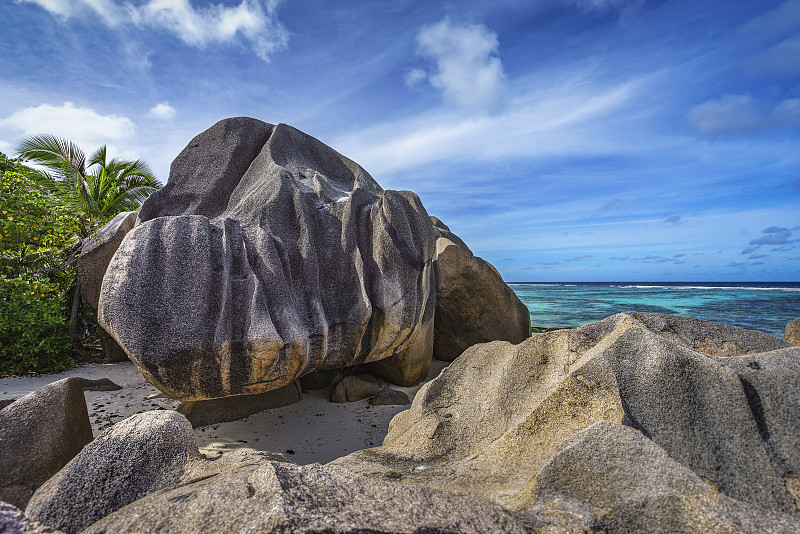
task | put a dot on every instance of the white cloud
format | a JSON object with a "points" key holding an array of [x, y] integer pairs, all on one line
{"points": [[742, 114], [467, 70], [414, 77], [5, 147], [84, 126], [162, 111], [254, 20]]}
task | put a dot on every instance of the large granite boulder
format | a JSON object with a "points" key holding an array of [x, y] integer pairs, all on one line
{"points": [[473, 304], [133, 458], [722, 402], [791, 334], [91, 266], [250, 492], [39, 434], [266, 256]]}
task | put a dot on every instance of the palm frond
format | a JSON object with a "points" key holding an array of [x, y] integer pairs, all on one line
{"points": [[59, 155]]}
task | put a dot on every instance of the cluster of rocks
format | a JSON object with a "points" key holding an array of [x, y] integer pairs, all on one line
{"points": [[638, 423], [269, 256], [271, 263]]}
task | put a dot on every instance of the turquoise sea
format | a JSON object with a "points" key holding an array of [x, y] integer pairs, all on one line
{"points": [[763, 306]]}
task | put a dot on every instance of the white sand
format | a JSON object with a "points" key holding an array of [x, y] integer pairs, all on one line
{"points": [[312, 430]]}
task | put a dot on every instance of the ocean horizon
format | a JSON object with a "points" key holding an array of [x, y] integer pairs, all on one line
{"points": [[762, 306]]}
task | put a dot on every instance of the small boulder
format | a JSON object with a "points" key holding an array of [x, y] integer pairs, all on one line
{"points": [[100, 384], [473, 303], [39, 434], [356, 387], [13, 521], [209, 412], [792, 333], [133, 458], [389, 397], [96, 254]]}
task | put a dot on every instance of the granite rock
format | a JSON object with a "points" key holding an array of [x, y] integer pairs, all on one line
{"points": [[724, 402], [267, 256], [99, 384], [389, 397], [133, 458], [791, 333], [620, 481], [356, 387], [249, 492], [473, 303], [92, 263], [14, 521], [39, 434], [319, 380], [212, 411]]}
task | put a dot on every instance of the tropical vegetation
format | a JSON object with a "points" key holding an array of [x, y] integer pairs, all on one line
{"points": [[45, 214]]}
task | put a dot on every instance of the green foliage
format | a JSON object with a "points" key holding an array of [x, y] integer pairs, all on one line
{"points": [[43, 217], [33, 333], [36, 233], [95, 190]]}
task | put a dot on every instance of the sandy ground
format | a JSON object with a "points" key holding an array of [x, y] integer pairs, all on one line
{"points": [[312, 430]]}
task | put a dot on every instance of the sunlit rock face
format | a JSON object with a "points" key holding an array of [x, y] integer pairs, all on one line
{"points": [[266, 256]]}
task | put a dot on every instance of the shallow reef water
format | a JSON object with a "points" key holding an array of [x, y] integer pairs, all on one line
{"points": [[762, 306]]}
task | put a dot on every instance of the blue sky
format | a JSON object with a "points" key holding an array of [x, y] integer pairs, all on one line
{"points": [[563, 140]]}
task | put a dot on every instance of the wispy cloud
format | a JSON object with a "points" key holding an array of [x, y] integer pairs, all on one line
{"points": [[582, 257], [467, 69], [774, 235], [253, 20], [536, 121], [742, 114]]}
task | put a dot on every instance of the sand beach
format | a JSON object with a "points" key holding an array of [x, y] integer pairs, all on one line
{"points": [[312, 430]]}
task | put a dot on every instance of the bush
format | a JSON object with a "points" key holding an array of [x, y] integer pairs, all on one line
{"points": [[36, 233], [33, 329]]}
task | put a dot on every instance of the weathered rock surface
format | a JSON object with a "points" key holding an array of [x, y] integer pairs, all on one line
{"points": [[246, 492], [266, 256], [13, 521], [39, 434], [791, 333], [473, 303], [722, 402], [209, 412], [133, 458], [389, 397], [617, 480], [356, 387], [92, 264]]}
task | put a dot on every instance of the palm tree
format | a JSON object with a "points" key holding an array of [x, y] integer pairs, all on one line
{"points": [[94, 191]]}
